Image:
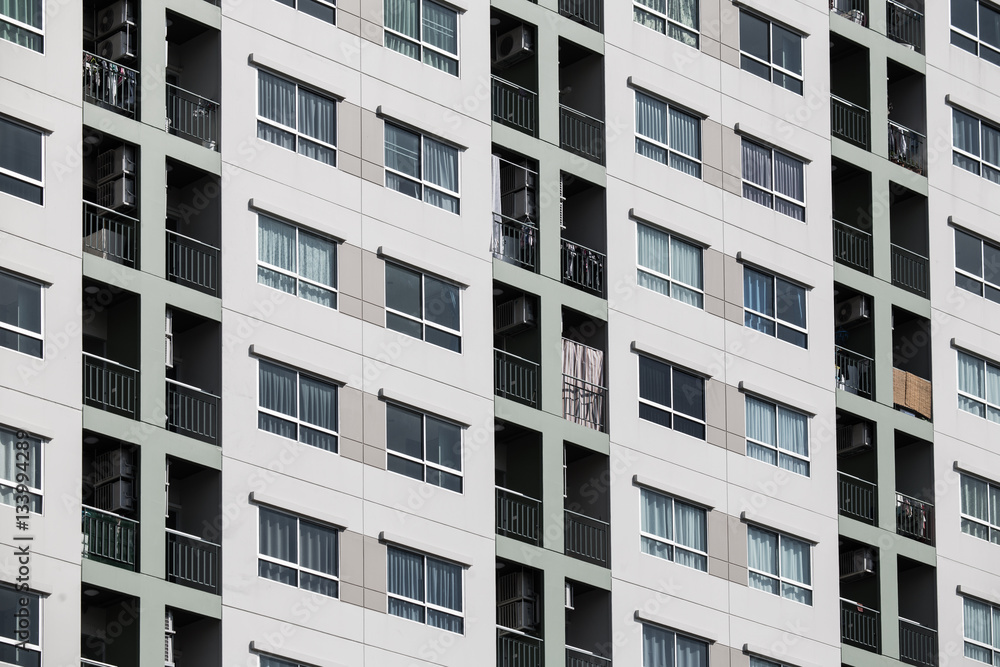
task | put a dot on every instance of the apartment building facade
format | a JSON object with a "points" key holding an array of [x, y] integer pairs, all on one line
{"points": [[419, 332]]}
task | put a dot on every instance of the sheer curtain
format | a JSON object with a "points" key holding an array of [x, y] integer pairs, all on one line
{"points": [[402, 150], [9, 469], [276, 102], [795, 566], [793, 436], [788, 181], [440, 30], [758, 295], [657, 519], [977, 627], [406, 578], [657, 647], [444, 589], [25, 11], [318, 551], [318, 263], [648, 19], [650, 121], [441, 169], [965, 135], [691, 652], [970, 380], [691, 532], [685, 137], [762, 555], [277, 540], [975, 502], [687, 269], [653, 248], [318, 407], [403, 16], [582, 403], [276, 246], [277, 392], [317, 119], [760, 427], [991, 153], [757, 169], [993, 391]]}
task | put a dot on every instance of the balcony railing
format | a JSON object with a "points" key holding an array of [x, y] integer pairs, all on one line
{"points": [[93, 663], [909, 270], [914, 518], [582, 267], [857, 498], [853, 10], [515, 106], [518, 516], [110, 386], [588, 12], [111, 235], [585, 403], [192, 561], [852, 247], [110, 85], [581, 134], [516, 649], [109, 538], [917, 644], [192, 412], [855, 373], [515, 242], [192, 263], [904, 25], [193, 117], [859, 626], [515, 378], [850, 122], [576, 657], [907, 148], [586, 538]]}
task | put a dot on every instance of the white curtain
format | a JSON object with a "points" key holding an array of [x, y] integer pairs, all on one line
{"points": [[965, 131], [971, 374], [977, 618], [657, 647], [788, 180], [277, 391], [691, 652], [9, 469], [762, 555], [318, 407], [653, 253], [25, 11], [686, 13], [691, 532], [995, 514], [761, 427], [975, 502], [991, 145], [651, 122], [687, 269], [318, 551], [402, 150], [993, 391], [441, 169], [657, 519], [685, 137], [760, 662], [444, 589], [757, 169], [276, 101], [582, 402], [795, 566], [403, 17], [440, 27], [406, 578], [317, 119], [318, 263], [793, 436], [277, 535], [649, 19]]}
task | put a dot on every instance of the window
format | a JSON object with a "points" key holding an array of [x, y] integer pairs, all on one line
{"points": [[298, 552], [20, 463], [664, 131], [975, 27], [423, 30], [774, 306], [979, 387], [981, 509], [771, 51], [297, 406], [296, 118], [424, 447], [321, 9], [658, 384], [296, 261], [677, 19], [420, 305], [421, 167], [774, 179], [666, 648], [425, 590], [670, 266], [779, 564], [273, 661], [20, 314], [16, 648], [761, 662], [20, 157], [22, 23], [982, 631], [674, 530], [967, 131], [977, 265], [777, 435]]}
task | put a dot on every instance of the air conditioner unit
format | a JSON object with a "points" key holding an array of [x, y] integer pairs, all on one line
{"points": [[514, 316], [116, 47], [168, 639], [514, 46], [115, 17], [857, 564], [109, 466], [117, 194], [851, 311], [515, 586], [116, 162], [116, 496], [169, 338], [521, 204], [854, 439], [518, 615]]}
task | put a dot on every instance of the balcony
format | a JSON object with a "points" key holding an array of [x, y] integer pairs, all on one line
{"points": [[516, 649], [588, 12], [859, 626], [109, 538], [582, 267], [192, 412], [911, 392], [852, 10], [904, 25], [857, 498], [914, 518], [852, 247], [515, 106], [519, 516], [585, 403], [907, 148], [110, 386], [581, 134], [515, 242], [917, 644], [110, 235], [855, 373], [193, 117], [515, 378], [110, 85], [586, 538], [192, 263], [910, 270], [576, 657], [192, 561], [850, 122]]}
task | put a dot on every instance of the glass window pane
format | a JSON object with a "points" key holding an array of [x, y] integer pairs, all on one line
{"points": [[318, 403], [657, 647], [440, 27], [20, 303], [654, 381], [402, 150], [320, 10], [277, 389], [404, 431], [317, 259], [761, 420], [318, 546], [758, 291], [963, 15], [441, 165], [657, 514], [965, 131], [689, 394], [989, 25], [650, 118], [757, 165], [795, 560], [685, 12], [762, 550], [653, 249], [685, 133], [402, 290], [969, 253], [787, 51], [402, 16], [444, 584], [687, 263], [790, 302], [276, 243], [317, 117], [405, 574], [275, 98], [20, 148], [442, 303], [443, 339], [753, 36], [991, 263], [405, 467], [444, 443], [277, 535]]}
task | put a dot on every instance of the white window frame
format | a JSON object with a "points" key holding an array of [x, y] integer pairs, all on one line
{"points": [[24, 26], [993, 650], [424, 603], [778, 450], [297, 277], [758, 661], [37, 622], [670, 149], [671, 542], [676, 634], [40, 335], [297, 419], [13, 483], [770, 52], [981, 163], [424, 322], [670, 409], [671, 280], [296, 6], [775, 318], [667, 23], [421, 44], [294, 130], [980, 44], [983, 283], [772, 191], [298, 549], [781, 579], [422, 182], [19, 176], [272, 658], [982, 400], [424, 463], [993, 526]]}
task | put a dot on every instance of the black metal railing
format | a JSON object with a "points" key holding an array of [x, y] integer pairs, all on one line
{"points": [[515, 242], [579, 658], [516, 649], [586, 538], [581, 134], [192, 263], [855, 372], [582, 267], [110, 85], [857, 498], [585, 403], [588, 12], [859, 626], [909, 270], [852, 10], [515, 106], [904, 25], [110, 386], [192, 412], [907, 148], [914, 518], [192, 561], [515, 378], [917, 644], [850, 122], [109, 538], [111, 235], [193, 117], [519, 516], [852, 247]]}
